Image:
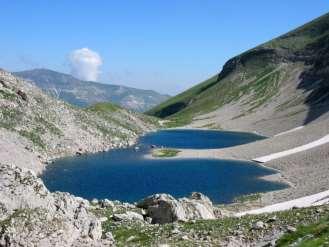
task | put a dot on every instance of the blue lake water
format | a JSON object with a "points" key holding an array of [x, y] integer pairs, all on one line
{"points": [[125, 175]]}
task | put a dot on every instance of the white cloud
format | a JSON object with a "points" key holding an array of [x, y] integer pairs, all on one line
{"points": [[85, 64]]}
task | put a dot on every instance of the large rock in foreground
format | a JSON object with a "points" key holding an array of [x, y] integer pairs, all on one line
{"points": [[32, 216], [164, 208]]}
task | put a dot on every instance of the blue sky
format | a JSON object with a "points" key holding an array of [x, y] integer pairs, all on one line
{"points": [[163, 45]]}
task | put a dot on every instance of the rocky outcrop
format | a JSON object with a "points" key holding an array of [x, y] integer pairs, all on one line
{"points": [[32, 216], [164, 208], [198, 206]]}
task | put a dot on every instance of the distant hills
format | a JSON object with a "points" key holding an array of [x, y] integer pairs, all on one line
{"points": [[275, 86], [85, 93]]}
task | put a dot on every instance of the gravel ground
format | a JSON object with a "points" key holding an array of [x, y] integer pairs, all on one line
{"points": [[13, 150]]}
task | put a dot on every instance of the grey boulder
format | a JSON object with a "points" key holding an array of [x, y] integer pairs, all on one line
{"points": [[164, 208]]}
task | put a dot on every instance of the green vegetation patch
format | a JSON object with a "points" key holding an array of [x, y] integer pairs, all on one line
{"points": [[262, 89], [34, 137], [164, 152], [5, 94], [7, 221], [24, 216], [311, 235], [225, 227], [299, 38], [128, 233], [106, 111], [104, 107], [133, 235], [48, 126], [258, 78], [247, 198], [179, 102], [9, 117]]}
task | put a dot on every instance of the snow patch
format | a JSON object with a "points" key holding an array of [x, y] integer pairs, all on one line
{"points": [[307, 201], [302, 148]]}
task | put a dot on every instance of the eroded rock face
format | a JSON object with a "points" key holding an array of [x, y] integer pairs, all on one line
{"points": [[164, 208], [32, 216]]}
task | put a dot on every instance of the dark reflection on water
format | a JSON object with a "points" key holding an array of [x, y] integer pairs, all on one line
{"points": [[125, 175]]}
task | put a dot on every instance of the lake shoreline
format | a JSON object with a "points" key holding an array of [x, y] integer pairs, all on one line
{"points": [[237, 153], [220, 189], [304, 171], [266, 197]]}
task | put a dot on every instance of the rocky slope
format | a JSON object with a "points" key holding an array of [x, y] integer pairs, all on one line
{"points": [[32, 216], [86, 93], [274, 87], [35, 127]]}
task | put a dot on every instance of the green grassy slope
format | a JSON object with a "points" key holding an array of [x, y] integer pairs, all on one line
{"points": [[104, 107], [310, 235], [254, 76], [107, 110]]}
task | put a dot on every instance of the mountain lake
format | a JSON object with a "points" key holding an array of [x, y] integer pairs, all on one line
{"points": [[126, 175]]}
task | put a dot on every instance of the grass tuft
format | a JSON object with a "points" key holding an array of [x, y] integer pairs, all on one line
{"points": [[165, 152]]}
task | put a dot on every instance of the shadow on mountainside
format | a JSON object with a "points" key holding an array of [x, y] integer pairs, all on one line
{"points": [[315, 80]]}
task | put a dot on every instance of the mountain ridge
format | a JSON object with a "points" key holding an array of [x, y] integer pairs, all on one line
{"points": [[85, 93]]}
